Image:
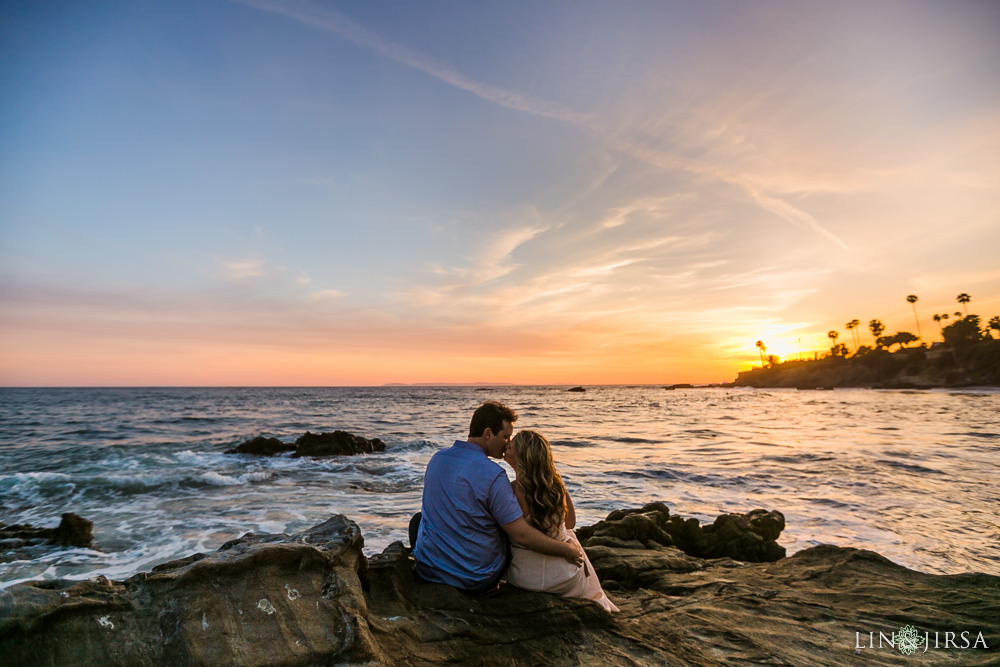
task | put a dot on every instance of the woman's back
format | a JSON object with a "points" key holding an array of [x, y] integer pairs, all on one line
{"points": [[548, 507]]}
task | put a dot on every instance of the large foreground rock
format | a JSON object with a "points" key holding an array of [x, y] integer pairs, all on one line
{"points": [[313, 599]]}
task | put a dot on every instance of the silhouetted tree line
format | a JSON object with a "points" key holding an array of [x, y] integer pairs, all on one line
{"points": [[969, 354]]}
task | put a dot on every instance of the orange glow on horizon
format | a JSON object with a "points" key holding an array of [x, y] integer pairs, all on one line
{"points": [[91, 353]]}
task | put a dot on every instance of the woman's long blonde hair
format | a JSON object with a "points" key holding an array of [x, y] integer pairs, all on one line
{"points": [[543, 488]]}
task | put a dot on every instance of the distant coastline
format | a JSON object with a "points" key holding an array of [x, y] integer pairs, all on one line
{"points": [[940, 365]]}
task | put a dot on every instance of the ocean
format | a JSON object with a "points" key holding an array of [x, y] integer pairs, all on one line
{"points": [[911, 475]]}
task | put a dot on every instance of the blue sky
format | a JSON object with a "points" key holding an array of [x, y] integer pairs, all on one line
{"points": [[276, 192]]}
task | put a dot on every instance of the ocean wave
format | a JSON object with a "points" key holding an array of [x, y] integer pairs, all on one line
{"points": [[213, 478], [977, 434], [829, 502], [412, 445], [703, 432], [571, 443], [651, 474], [208, 459], [35, 477], [37, 487], [389, 486], [797, 458], [631, 440], [909, 467]]}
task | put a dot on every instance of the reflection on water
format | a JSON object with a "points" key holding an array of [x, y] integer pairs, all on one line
{"points": [[908, 474]]}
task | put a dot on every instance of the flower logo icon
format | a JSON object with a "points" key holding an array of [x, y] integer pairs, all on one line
{"points": [[907, 639]]}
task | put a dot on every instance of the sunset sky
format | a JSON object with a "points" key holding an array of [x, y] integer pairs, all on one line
{"points": [[275, 192]]}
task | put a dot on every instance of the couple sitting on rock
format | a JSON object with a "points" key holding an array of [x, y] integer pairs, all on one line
{"points": [[476, 527]]}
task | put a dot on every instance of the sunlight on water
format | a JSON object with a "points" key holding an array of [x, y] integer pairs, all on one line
{"points": [[908, 474]]}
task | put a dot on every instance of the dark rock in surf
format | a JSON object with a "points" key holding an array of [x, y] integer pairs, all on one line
{"points": [[338, 443], [75, 531], [261, 446], [18, 540], [576, 389], [313, 598]]}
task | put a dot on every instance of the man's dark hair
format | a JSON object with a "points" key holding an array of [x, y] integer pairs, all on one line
{"points": [[490, 415]]}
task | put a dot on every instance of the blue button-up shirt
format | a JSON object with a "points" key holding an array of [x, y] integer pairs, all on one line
{"points": [[467, 498]]}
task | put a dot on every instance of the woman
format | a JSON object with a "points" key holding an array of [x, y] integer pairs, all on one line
{"points": [[547, 506]]}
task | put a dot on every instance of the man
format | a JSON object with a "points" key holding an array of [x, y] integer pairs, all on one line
{"points": [[469, 510]]}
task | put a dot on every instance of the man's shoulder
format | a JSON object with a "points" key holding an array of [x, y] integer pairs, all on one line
{"points": [[469, 458], [453, 453], [466, 451]]}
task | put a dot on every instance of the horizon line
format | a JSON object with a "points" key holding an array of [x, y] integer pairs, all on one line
{"points": [[389, 385]]}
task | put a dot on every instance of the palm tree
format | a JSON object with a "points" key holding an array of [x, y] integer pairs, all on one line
{"points": [[963, 299], [902, 338], [852, 326], [763, 349], [913, 298], [941, 319], [876, 327], [833, 335]]}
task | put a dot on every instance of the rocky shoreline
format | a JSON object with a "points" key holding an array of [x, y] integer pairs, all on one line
{"points": [[313, 598]]}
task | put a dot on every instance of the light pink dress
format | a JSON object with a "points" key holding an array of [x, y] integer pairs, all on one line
{"points": [[551, 574]]}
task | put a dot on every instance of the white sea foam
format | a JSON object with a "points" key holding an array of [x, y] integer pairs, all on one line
{"points": [[37, 476], [218, 479], [270, 527], [206, 459]]}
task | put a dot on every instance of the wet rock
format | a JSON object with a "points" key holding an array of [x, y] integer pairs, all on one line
{"points": [[23, 540], [768, 524], [338, 443], [734, 536], [261, 599], [261, 446], [578, 389], [746, 537], [335, 444], [73, 530], [312, 598]]}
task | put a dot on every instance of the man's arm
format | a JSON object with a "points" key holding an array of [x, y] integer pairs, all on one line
{"points": [[521, 532]]}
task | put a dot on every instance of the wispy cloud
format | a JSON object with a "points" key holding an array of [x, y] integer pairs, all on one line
{"points": [[491, 259], [778, 207], [327, 294], [334, 22], [238, 270]]}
